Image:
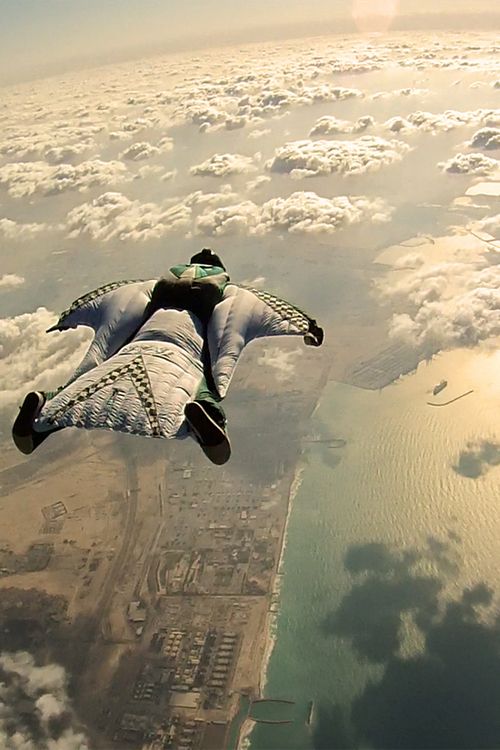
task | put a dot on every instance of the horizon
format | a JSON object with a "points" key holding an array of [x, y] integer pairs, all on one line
{"points": [[99, 34]]}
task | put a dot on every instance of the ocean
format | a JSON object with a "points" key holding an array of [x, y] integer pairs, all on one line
{"points": [[392, 521]]}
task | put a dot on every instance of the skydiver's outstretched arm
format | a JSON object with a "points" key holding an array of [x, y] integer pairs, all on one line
{"points": [[246, 314], [114, 311]]}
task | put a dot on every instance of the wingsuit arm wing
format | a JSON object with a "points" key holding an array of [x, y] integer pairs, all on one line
{"points": [[140, 390], [114, 311], [246, 314]]}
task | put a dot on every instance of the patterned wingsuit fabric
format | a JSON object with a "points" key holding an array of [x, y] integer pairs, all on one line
{"points": [[142, 387]]}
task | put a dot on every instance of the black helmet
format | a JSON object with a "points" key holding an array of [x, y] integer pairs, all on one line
{"points": [[207, 257]]}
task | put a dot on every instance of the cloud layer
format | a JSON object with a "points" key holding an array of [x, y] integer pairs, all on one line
{"points": [[23, 179], [35, 711], [300, 213], [31, 359], [447, 305]]}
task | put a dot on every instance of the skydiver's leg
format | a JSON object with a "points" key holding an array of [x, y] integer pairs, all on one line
{"points": [[206, 418], [210, 400], [25, 437], [207, 395], [207, 421]]}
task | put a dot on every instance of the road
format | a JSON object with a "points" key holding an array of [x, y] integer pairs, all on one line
{"points": [[120, 559]]}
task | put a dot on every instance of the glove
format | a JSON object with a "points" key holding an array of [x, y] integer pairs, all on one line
{"points": [[315, 334]]}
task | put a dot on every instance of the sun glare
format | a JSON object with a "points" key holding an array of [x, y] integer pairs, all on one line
{"points": [[374, 15]]}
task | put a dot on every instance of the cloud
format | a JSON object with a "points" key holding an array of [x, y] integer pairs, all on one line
{"points": [[114, 216], [282, 362], [444, 306], [259, 182], [22, 179], [251, 101], [441, 122], [259, 133], [477, 164], [31, 359], [54, 141], [12, 230], [10, 281], [169, 175], [490, 224], [222, 165], [487, 138], [65, 154], [139, 151], [406, 92], [300, 213], [36, 713], [312, 158], [329, 125], [409, 261], [477, 459]]}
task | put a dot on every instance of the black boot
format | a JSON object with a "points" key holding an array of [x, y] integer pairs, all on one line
{"points": [[208, 426], [25, 438]]}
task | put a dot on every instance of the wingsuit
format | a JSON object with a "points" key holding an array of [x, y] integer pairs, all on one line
{"points": [[162, 356]]}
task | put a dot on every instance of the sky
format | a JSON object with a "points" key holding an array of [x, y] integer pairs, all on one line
{"points": [[39, 37]]}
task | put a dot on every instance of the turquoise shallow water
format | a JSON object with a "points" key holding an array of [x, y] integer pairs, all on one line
{"points": [[410, 478]]}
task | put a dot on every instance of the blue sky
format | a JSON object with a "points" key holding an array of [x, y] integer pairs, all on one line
{"points": [[38, 35]]}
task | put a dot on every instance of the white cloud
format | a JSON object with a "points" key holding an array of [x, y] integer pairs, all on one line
{"points": [[114, 216], [281, 361], [329, 125], [301, 212], [252, 101], [40, 692], [11, 281], [222, 165], [311, 158], [488, 138], [441, 122], [141, 150], [477, 164], [259, 133], [65, 154], [31, 359], [138, 151], [406, 92], [490, 224], [240, 218], [147, 170], [12, 230], [23, 179], [259, 182], [54, 141], [445, 305], [411, 260], [169, 175]]}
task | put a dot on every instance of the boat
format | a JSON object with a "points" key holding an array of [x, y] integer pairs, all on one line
{"points": [[439, 387]]}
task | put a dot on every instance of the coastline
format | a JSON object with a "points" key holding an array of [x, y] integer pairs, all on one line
{"points": [[244, 740]]}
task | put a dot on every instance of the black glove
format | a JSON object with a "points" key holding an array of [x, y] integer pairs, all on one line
{"points": [[315, 334]]}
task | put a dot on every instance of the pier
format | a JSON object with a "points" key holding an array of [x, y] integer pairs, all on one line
{"points": [[451, 401]]}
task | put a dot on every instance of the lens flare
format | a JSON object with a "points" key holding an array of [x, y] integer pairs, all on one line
{"points": [[374, 16]]}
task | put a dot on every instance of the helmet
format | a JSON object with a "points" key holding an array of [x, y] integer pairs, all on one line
{"points": [[207, 257]]}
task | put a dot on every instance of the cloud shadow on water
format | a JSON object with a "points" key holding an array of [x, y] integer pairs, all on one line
{"points": [[442, 692], [477, 459]]}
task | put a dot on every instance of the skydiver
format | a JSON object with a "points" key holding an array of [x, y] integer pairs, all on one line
{"points": [[197, 288]]}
